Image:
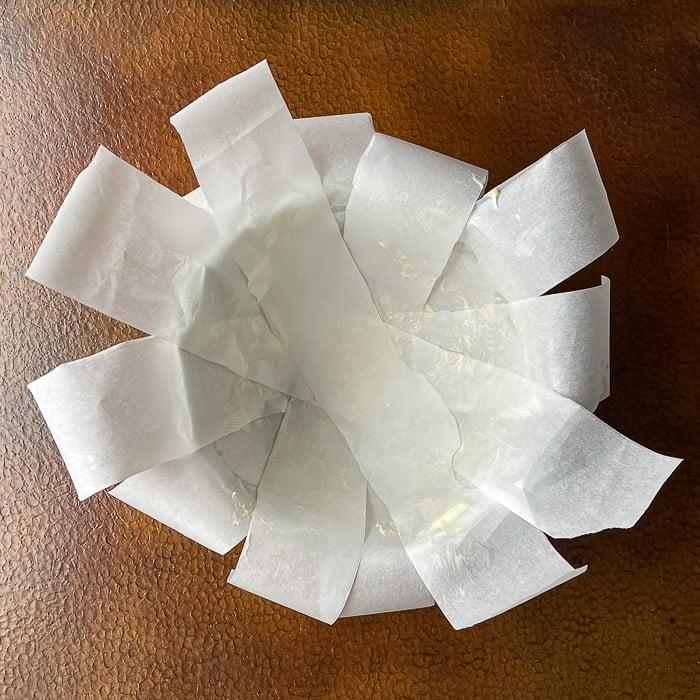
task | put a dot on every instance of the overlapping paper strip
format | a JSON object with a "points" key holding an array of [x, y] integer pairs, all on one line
{"points": [[350, 361]]}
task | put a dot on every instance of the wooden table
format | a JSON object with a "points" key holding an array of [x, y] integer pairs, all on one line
{"points": [[97, 600]]}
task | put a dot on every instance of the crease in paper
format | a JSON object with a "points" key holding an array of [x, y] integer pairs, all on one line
{"points": [[127, 246]]}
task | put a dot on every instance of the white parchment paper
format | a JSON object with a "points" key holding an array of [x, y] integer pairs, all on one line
{"points": [[307, 530], [539, 454], [142, 403], [129, 247], [531, 232], [462, 426], [407, 209], [561, 341], [266, 195], [386, 580]]}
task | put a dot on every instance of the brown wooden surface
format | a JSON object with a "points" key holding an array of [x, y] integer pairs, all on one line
{"points": [[97, 600]]}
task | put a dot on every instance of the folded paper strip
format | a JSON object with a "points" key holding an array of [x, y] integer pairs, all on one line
{"points": [[439, 423]]}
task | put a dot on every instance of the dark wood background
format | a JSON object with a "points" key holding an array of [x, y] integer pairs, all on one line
{"points": [[97, 600]]}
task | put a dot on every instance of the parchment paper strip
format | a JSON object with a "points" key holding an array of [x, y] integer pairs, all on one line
{"points": [[407, 209], [561, 341], [139, 404], [541, 455], [335, 144], [129, 247], [386, 580], [530, 233], [307, 530]]}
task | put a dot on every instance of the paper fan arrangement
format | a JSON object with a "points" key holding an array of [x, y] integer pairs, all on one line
{"points": [[349, 360]]}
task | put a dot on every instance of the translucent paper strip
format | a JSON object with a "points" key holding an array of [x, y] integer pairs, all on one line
{"points": [[260, 182], [407, 209], [530, 233], [139, 404], [490, 559], [197, 198], [541, 455], [560, 340], [209, 495], [131, 248], [386, 580], [335, 144], [307, 530]]}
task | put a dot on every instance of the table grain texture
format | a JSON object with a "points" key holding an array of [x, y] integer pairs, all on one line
{"points": [[99, 601]]}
